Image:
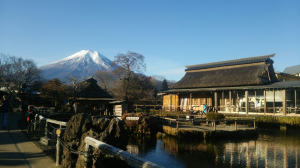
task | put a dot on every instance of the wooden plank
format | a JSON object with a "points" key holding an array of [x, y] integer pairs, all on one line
{"points": [[132, 118], [118, 106]]}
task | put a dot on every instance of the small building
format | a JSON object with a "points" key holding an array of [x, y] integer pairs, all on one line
{"points": [[293, 70], [119, 108], [91, 97], [245, 86], [286, 77]]}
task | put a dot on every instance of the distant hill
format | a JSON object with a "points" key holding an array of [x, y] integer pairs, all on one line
{"points": [[82, 64]]}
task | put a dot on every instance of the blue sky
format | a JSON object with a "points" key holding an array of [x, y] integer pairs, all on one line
{"points": [[170, 34]]}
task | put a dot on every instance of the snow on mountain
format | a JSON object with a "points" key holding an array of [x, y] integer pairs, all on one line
{"points": [[81, 64]]}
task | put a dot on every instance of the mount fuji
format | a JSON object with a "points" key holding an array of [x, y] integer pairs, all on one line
{"points": [[82, 64]]}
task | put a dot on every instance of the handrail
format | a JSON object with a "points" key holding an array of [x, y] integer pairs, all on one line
{"points": [[62, 123], [118, 153]]}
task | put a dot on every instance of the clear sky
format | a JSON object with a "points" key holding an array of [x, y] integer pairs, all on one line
{"points": [[169, 33]]}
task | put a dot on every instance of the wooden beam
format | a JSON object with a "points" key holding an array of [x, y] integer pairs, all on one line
{"points": [[284, 102], [265, 103], [191, 100], [230, 101], [247, 101], [274, 102], [223, 102], [295, 101], [216, 100]]}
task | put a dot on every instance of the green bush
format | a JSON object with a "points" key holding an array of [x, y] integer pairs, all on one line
{"points": [[215, 116]]}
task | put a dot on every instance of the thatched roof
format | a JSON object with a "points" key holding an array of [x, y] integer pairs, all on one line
{"points": [[247, 72], [250, 60], [92, 90]]}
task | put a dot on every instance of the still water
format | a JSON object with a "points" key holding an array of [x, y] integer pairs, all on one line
{"points": [[272, 148]]}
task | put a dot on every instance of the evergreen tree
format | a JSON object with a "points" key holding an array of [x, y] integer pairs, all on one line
{"points": [[164, 85]]}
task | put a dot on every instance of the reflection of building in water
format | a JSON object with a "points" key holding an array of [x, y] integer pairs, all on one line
{"points": [[133, 149], [258, 154]]}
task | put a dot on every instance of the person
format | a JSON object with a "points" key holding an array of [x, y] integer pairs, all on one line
{"points": [[5, 109], [31, 114]]}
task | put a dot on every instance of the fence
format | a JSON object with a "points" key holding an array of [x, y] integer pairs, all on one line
{"points": [[46, 127]]}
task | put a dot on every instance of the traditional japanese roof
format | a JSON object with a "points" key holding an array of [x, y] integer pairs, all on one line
{"points": [[92, 90], [273, 86], [240, 72], [250, 60], [292, 70]]}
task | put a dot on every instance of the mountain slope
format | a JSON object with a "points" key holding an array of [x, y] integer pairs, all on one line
{"points": [[81, 64]]}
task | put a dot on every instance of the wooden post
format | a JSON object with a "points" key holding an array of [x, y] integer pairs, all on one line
{"points": [[216, 101], [284, 102], [170, 99], [191, 94], [235, 125], [230, 101], [247, 101], [223, 102], [87, 157], [34, 128], [46, 129], [214, 124], [254, 123], [265, 103], [295, 102], [177, 124], [59, 148], [175, 102], [238, 99], [274, 102], [255, 102]]}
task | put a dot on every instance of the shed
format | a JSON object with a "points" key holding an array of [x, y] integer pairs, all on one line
{"points": [[119, 108]]}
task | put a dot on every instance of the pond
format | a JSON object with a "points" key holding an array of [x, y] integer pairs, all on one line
{"points": [[271, 148]]}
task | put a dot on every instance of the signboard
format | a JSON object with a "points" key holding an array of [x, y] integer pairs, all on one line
{"points": [[132, 118]]}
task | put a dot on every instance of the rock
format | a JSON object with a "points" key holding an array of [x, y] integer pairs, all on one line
{"points": [[80, 160], [68, 158], [77, 125], [115, 134], [99, 124]]}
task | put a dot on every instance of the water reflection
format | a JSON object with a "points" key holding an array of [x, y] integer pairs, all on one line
{"points": [[270, 149]]}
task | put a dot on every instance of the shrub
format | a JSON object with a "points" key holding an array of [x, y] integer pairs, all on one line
{"points": [[215, 116]]}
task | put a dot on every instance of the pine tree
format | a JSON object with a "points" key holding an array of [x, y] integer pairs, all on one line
{"points": [[164, 85]]}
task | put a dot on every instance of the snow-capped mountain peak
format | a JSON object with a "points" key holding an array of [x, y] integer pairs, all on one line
{"points": [[82, 64]]}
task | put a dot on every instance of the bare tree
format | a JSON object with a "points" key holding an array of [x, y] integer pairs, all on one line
{"points": [[129, 64], [104, 78], [17, 74]]}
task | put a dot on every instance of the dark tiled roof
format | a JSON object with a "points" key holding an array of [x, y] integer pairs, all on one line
{"points": [[265, 58], [292, 69], [256, 74], [92, 90], [277, 85]]}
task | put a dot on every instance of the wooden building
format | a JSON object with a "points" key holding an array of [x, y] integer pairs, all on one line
{"points": [[293, 70], [247, 85], [92, 97]]}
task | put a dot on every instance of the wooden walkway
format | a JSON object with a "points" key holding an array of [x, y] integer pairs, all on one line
{"points": [[211, 128]]}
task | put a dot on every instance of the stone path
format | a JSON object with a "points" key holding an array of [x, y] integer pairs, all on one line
{"points": [[16, 150]]}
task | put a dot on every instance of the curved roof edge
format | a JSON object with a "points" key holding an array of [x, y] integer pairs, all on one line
{"points": [[265, 58]]}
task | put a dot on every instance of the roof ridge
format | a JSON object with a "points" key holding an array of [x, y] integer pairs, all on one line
{"points": [[265, 58]]}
